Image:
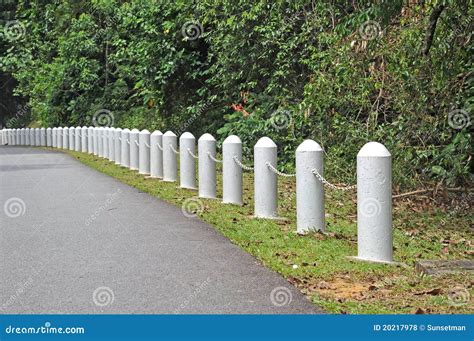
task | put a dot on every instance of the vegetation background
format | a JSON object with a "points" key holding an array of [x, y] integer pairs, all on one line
{"points": [[336, 71]]}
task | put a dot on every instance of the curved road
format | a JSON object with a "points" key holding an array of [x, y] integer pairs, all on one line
{"points": [[73, 240]]}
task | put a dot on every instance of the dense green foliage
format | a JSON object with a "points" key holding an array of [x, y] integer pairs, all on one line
{"points": [[290, 70]]}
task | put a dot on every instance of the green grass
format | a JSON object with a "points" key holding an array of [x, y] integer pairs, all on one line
{"points": [[323, 272]]}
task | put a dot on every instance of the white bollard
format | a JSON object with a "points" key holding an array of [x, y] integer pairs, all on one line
{"points": [[105, 142], [144, 152], [22, 137], [187, 162], [156, 154], [43, 137], [231, 172], [117, 145], [60, 137], [134, 163], [13, 137], [77, 139], [309, 189], [125, 148], [170, 166], [207, 166], [90, 140], [374, 203], [84, 139], [100, 141], [37, 137], [72, 136], [55, 137], [266, 182], [32, 136], [49, 140], [111, 144], [65, 138]]}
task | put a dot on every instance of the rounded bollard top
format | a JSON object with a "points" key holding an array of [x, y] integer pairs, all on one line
{"points": [[49, 128], [43, 128], [169, 133], [118, 129], [374, 149], [84, 127], [144, 132], [126, 130], [71, 127], [58, 128], [207, 137], [156, 132], [135, 131], [265, 142], [187, 135], [309, 146], [232, 139], [78, 127]]}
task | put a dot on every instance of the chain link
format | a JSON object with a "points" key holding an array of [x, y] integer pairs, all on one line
{"points": [[191, 153], [159, 147], [174, 150], [241, 165], [213, 158], [330, 185], [276, 171]]}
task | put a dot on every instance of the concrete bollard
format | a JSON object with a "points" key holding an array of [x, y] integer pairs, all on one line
{"points": [[117, 145], [22, 137], [49, 137], [111, 144], [170, 166], [134, 162], [90, 140], [156, 154], [13, 137], [309, 190], [43, 137], [37, 137], [266, 182], [125, 148], [105, 142], [207, 166], [60, 137], [374, 203], [32, 137], [65, 138], [187, 162], [100, 141], [72, 137], [55, 137], [84, 139], [18, 136], [144, 152], [231, 172], [77, 139]]}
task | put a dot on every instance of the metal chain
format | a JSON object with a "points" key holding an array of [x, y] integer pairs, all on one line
{"points": [[241, 165], [213, 158], [330, 185], [147, 145], [191, 153], [136, 142], [174, 150], [159, 147], [276, 171]]}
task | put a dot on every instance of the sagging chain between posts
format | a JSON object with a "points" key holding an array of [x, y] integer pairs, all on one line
{"points": [[330, 185], [191, 153], [173, 150], [276, 171], [213, 158], [241, 165]]}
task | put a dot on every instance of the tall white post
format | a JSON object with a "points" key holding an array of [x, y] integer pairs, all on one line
{"points": [[49, 137], [170, 166], [43, 137], [37, 137], [84, 139], [266, 182], [207, 166], [134, 162], [187, 163], [231, 172], [13, 136], [374, 203], [117, 145], [156, 154], [77, 139], [309, 190], [111, 144], [72, 136], [105, 142], [54, 139], [65, 138], [100, 141], [144, 152], [22, 137], [59, 144], [90, 140], [125, 148]]}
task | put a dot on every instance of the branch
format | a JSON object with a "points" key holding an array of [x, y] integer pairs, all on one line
{"points": [[434, 16]]}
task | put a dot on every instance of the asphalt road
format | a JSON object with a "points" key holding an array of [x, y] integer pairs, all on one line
{"points": [[73, 240]]}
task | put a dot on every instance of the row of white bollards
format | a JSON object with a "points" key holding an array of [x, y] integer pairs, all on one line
{"points": [[156, 155]]}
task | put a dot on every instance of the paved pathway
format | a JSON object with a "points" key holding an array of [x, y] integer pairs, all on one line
{"points": [[68, 231]]}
